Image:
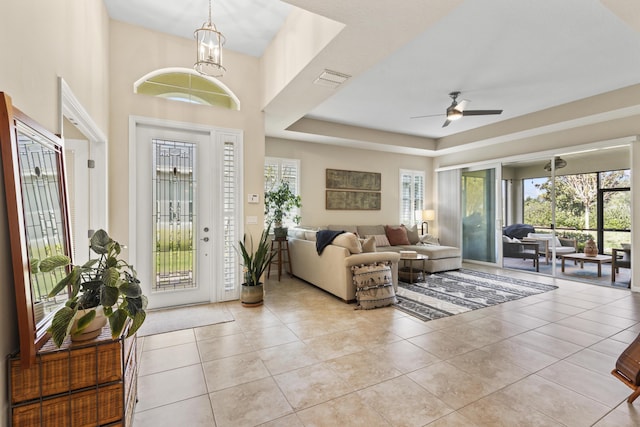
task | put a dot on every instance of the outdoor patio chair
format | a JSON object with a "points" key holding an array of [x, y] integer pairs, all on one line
{"points": [[564, 245], [523, 250], [623, 261]]}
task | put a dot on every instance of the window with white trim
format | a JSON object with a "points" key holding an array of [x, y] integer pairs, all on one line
{"points": [[411, 196], [187, 85], [277, 170]]}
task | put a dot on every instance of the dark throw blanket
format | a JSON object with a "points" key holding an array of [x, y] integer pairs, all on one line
{"points": [[324, 238]]}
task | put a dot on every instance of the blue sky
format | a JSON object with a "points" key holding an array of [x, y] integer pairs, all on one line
{"points": [[530, 190]]}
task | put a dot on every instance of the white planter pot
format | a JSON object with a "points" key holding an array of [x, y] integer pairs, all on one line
{"points": [[93, 329]]}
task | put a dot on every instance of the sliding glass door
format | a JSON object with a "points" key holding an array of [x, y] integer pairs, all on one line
{"points": [[479, 214], [566, 201]]}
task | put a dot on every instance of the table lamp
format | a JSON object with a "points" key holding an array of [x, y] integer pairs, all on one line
{"points": [[427, 215]]}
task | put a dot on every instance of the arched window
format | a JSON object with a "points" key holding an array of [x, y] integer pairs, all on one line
{"points": [[187, 85]]}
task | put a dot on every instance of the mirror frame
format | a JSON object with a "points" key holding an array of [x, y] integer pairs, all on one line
{"points": [[32, 335]]}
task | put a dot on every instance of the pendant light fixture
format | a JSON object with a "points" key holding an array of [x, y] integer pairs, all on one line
{"points": [[558, 164], [209, 42]]}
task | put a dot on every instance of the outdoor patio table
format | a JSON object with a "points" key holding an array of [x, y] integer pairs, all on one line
{"points": [[598, 259]]}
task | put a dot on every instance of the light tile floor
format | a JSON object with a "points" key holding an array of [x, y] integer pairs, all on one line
{"points": [[307, 359]]}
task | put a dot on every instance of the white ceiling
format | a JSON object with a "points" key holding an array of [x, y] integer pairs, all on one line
{"points": [[517, 55], [248, 25]]}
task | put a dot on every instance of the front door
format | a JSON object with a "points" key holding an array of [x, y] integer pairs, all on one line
{"points": [[181, 229]]}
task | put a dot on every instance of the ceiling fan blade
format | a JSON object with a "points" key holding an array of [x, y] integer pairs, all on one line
{"points": [[446, 123], [428, 115], [480, 112]]}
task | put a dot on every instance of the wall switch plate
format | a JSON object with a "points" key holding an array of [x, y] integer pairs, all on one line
{"points": [[253, 198], [252, 220]]}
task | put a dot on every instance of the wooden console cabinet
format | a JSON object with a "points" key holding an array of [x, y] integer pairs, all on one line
{"points": [[92, 383]]}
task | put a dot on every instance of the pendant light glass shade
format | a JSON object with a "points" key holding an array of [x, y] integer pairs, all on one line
{"points": [[558, 164], [209, 42]]}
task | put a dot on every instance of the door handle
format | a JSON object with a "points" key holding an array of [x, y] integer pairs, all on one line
{"points": [[206, 239]]}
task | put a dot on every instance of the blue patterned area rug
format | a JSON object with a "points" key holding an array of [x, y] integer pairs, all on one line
{"points": [[454, 292]]}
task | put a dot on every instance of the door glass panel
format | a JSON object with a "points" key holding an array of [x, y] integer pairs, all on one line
{"points": [[174, 218], [616, 214], [43, 218], [479, 215]]}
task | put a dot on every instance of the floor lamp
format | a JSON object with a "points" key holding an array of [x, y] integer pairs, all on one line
{"points": [[427, 215]]}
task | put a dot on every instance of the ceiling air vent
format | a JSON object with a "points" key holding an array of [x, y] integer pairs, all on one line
{"points": [[331, 78]]}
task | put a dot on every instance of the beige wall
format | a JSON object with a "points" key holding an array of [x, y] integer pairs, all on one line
{"points": [[128, 45], [41, 41], [316, 158], [301, 38]]}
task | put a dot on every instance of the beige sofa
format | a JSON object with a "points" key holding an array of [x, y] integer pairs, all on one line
{"points": [[440, 258], [331, 271]]}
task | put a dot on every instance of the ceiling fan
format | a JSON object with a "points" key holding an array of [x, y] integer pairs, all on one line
{"points": [[457, 109]]}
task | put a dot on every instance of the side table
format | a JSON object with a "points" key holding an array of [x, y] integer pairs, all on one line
{"points": [[407, 266], [280, 246]]}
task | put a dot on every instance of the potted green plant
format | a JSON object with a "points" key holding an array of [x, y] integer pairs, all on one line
{"points": [[104, 286], [255, 261], [277, 206]]}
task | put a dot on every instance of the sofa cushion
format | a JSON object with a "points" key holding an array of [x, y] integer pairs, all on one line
{"points": [[412, 234], [380, 239], [396, 235], [374, 286], [370, 230], [310, 235], [349, 241], [349, 228], [298, 233]]}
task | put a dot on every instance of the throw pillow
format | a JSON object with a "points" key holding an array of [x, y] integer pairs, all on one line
{"points": [[430, 239], [380, 239], [374, 286], [412, 234], [349, 241], [368, 244], [397, 235]]}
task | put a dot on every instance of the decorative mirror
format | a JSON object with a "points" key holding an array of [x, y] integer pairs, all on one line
{"points": [[37, 215]]}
